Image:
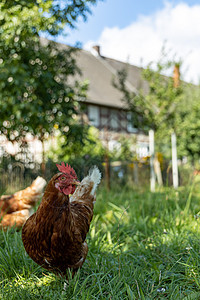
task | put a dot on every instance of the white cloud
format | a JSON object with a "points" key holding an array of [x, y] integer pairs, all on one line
{"points": [[178, 26]]}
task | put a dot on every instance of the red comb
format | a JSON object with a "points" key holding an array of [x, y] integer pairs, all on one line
{"points": [[66, 169]]}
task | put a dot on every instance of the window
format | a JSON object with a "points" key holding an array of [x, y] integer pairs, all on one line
{"points": [[114, 119], [110, 119], [104, 121], [123, 120], [123, 124], [130, 126], [104, 117], [93, 115], [104, 111]]}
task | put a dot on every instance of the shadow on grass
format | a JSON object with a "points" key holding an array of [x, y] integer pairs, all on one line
{"points": [[141, 246]]}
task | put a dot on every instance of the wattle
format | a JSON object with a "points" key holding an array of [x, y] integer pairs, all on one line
{"points": [[68, 190]]}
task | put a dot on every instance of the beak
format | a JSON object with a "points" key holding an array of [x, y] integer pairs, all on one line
{"points": [[75, 182]]}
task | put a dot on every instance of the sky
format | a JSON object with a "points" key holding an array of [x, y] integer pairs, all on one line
{"points": [[135, 32]]}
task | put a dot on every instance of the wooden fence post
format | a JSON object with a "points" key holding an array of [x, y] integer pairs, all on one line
{"points": [[135, 172], [174, 161], [152, 155]]}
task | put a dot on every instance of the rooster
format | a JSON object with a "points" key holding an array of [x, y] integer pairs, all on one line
{"points": [[54, 237], [16, 209]]}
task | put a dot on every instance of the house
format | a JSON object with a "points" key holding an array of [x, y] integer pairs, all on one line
{"points": [[104, 106]]}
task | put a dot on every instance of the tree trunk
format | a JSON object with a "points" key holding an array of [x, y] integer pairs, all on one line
{"points": [[158, 171], [107, 170], [135, 172]]}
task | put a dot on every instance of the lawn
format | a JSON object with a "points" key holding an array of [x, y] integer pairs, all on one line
{"points": [[141, 246]]}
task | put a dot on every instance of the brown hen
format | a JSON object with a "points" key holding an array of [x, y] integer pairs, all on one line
{"points": [[54, 237], [16, 209]]}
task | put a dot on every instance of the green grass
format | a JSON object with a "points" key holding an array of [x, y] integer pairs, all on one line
{"points": [[141, 246]]}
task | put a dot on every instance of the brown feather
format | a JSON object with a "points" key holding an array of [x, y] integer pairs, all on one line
{"points": [[54, 237], [16, 208], [15, 219]]}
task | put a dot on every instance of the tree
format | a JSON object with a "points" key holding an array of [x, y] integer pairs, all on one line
{"points": [[189, 125], [36, 95], [158, 108]]}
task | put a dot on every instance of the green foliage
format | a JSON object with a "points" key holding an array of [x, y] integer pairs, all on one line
{"points": [[166, 107], [42, 15], [156, 109], [142, 115], [141, 246], [126, 151], [163, 97], [80, 148], [35, 93], [77, 143], [189, 125], [33, 98]]}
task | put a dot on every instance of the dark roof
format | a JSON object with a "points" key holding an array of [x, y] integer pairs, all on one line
{"points": [[100, 72]]}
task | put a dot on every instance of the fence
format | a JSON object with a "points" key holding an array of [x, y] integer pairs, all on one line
{"points": [[16, 176]]}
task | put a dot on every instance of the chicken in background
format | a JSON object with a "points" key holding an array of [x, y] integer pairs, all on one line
{"points": [[17, 208], [54, 237]]}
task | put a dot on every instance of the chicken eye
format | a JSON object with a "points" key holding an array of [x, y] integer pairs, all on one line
{"points": [[63, 178]]}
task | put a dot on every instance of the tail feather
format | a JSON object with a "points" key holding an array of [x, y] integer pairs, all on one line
{"points": [[88, 185], [39, 184], [95, 177]]}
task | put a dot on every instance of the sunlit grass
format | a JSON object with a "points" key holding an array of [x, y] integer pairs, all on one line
{"points": [[141, 246]]}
